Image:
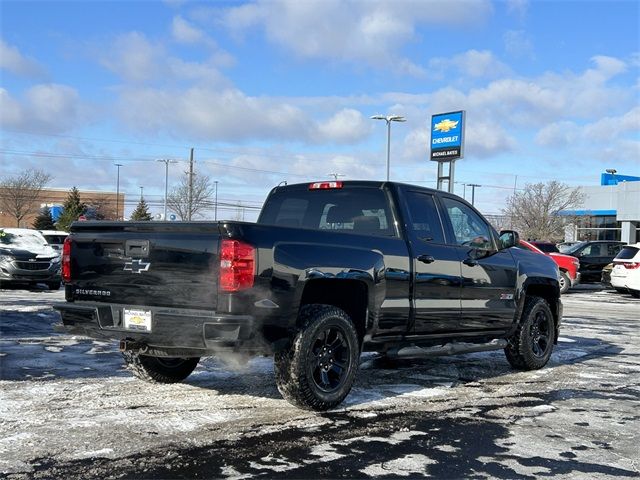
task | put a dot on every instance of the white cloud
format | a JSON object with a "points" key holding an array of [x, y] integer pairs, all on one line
{"points": [[372, 31], [134, 58], [13, 61], [473, 63], [346, 126], [518, 8], [605, 130], [46, 108], [518, 44], [185, 32]]}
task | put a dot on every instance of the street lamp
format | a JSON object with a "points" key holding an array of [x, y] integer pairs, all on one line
{"points": [[389, 119], [141, 190], [118, 191], [166, 182]]}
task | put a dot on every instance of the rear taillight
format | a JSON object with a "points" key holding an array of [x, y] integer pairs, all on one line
{"points": [[631, 265], [324, 185], [237, 265], [66, 260]]}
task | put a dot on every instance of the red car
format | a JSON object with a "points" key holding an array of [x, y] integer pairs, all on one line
{"points": [[568, 266]]}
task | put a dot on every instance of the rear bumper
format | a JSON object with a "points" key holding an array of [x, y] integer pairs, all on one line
{"points": [[197, 331]]}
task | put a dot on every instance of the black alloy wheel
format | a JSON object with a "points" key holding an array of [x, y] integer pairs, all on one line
{"points": [[329, 359], [530, 347], [540, 333], [318, 368]]}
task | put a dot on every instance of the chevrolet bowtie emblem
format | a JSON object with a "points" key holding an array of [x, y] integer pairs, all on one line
{"points": [[445, 125], [136, 266]]}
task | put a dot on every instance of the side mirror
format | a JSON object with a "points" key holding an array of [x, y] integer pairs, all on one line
{"points": [[508, 238]]}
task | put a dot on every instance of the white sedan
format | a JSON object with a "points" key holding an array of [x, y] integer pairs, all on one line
{"points": [[626, 270]]}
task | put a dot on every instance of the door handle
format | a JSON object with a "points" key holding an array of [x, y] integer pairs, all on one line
{"points": [[426, 259], [470, 261]]}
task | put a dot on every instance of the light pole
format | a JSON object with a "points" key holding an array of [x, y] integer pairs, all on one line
{"points": [[118, 191], [166, 162], [215, 205], [389, 119], [335, 175], [141, 190]]}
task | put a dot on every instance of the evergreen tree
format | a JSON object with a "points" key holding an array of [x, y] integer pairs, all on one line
{"points": [[141, 212], [71, 210], [44, 220]]}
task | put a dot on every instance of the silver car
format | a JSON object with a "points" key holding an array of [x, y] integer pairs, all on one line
{"points": [[26, 258]]}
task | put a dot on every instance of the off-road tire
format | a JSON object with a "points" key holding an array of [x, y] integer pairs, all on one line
{"points": [[159, 369], [298, 369], [521, 351], [565, 282]]}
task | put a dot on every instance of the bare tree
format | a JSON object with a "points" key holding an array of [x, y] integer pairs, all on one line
{"points": [[201, 198], [19, 195], [535, 211]]}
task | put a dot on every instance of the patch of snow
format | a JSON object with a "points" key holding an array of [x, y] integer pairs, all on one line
{"points": [[92, 454], [409, 465]]}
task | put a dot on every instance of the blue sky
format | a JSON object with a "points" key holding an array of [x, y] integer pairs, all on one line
{"points": [[278, 90]]}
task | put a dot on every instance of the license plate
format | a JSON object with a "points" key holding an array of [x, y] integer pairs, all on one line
{"points": [[139, 320]]}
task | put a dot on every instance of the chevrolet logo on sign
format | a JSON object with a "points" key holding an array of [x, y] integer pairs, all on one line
{"points": [[445, 125], [136, 266]]}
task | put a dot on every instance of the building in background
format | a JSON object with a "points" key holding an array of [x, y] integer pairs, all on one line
{"points": [[610, 211], [101, 205]]}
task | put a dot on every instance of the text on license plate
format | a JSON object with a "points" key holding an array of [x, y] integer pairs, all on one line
{"points": [[137, 320]]}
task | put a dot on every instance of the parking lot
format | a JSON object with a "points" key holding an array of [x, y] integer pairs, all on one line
{"points": [[69, 409]]}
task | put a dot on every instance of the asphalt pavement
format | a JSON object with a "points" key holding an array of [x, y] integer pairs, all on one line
{"points": [[68, 409]]}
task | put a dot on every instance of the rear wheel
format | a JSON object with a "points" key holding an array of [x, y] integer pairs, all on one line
{"points": [[159, 369], [530, 346], [565, 282], [317, 371]]}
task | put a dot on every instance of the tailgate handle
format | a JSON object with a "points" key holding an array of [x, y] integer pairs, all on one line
{"points": [[136, 248]]}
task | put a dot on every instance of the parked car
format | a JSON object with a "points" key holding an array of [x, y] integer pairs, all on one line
{"points": [[567, 265], [546, 247], [55, 238], [594, 256], [26, 258], [625, 275], [564, 246], [330, 269]]}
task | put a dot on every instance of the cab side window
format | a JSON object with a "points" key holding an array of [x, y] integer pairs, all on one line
{"points": [[468, 227], [425, 221]]}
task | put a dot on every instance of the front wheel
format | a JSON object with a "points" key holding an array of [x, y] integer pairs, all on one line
{"points": [[530, 346], [159, 369], [317, 371]]}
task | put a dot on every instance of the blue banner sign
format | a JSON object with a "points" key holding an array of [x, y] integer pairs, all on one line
{"points": [[447, 136]]}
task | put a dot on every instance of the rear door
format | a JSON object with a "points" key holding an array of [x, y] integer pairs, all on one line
{"points": [[436, 268], [488, 274]]}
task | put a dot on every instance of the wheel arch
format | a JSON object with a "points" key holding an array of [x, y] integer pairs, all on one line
{"points": [[349, 295]]}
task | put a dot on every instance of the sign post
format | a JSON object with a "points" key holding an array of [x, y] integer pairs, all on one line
{"points": [[447, 144]]}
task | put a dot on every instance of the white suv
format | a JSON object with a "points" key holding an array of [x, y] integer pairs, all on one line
{"points": [[625, 275]]}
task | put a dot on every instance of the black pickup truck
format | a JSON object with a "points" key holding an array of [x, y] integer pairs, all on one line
{"points": [[330, 269]]}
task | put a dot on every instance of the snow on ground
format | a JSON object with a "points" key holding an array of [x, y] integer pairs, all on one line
{"points": [[67, 400]]}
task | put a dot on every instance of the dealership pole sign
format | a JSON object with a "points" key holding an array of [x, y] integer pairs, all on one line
{"points": [[447, 136]]}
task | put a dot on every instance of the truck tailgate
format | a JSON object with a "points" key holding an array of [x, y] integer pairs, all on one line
{"points": [[145, 263]]}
